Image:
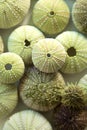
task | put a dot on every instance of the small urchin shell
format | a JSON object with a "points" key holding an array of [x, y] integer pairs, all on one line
{"points": [[11, 67], [8, 99], [41, 91], [67, 119], [51, 16], [48, 55], [22, 40], [27, 120], [12, 12], [74, 96], [75, 45], [1, 45], [79, 15]]}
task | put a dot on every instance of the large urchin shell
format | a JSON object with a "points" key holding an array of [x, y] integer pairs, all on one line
{"points": [[12, 12], [67, 119], [8, 99], [48, 55], [79, 15], [11, 67], [1, 45], [22, 40], [51, 16], [74, 96], [75, 45], [41, 91], [27, 120]]}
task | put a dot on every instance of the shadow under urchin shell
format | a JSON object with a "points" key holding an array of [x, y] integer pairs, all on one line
{"points": [[12, 12], [75, 45], [1, 45], [79, 15], [65, 118], [41, 91], [51, 16], [22, 40]]}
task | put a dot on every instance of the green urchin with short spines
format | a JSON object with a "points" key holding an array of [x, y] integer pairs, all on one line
{"points": [[74, 96]]}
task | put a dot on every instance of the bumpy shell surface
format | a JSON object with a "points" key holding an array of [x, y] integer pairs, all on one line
{"points": [[41, 91], [48, 55], [74, 96], [11, 67], [27, 120], [75, 45], [51, 16], [68, 119], [12, 12], [1, 45], [22, 40], [79, 15], [8, 99]]}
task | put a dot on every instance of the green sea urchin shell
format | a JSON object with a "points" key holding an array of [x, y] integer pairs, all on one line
{"points": [[75, 45], [83, 81], [22, 40], [48, 55], [8, 99], [27, 120], [1, 45], [68, 119], [51, 16], [11, 67], [41, 91], [74, 96], [12, 12], [79, 15]]}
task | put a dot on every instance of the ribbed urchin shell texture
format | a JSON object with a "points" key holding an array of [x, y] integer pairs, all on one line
{"points": [[12, 12], [74, 96], [48, 55], [67, 119], [51, 16], [22, 40], [1, 45], [27, 120], [79, 15], [41, 91], [11, 67], [75, 45], [8, 99]]}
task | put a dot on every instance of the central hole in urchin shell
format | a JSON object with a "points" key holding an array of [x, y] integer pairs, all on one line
{"points": [[71, 51], [27, 43], [48, 55], [51, 12], [8, 66]]}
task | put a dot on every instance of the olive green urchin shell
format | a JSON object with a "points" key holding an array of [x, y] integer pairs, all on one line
{"points": [[27, 120], [11, 67], [22, 40], [8, 99], [1, 45], [41, 91], [75, 45], [79, 15], [12, 12], [74, 96], [48, 55], [51, 16]]}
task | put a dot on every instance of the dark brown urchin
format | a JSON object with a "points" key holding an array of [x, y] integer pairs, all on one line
{"points": [[67, 119]]}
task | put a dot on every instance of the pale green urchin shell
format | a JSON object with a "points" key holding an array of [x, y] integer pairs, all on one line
{"points": [[12, 12], [11, 67], [51, 16], [79, 15], [8, 99], [83, 81], [48, 55], [75, 45], [41, 91], [1, 45], [74, 96], [27, 120], [22, 40]]}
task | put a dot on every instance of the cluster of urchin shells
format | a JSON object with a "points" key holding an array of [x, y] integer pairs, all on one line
{"points": [[31, 69]]}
